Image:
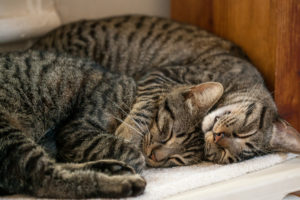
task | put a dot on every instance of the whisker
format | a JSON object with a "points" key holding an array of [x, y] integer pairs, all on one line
{"points": [[127, 114], [128, 125]]}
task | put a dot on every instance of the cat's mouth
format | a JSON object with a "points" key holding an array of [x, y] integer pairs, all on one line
{"points": [[157, 155]]}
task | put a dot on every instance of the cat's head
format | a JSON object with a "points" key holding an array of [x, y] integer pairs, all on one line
{"points": [[175, 138], [245, 129]]}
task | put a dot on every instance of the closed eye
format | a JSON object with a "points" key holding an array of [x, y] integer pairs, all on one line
{"points": [[180, 135], [164, 141], [177, 160], [167, 108]]}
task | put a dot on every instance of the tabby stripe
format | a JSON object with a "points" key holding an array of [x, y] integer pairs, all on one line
{"points": [[130, 37], [149, 35], [140, 115], [80, 37], [147, 98], [223, 154], [155, 87], [186, 139], [111, 144], [12, 137], [31, 163], [28, 67], [153, 43], [139, 24], [166, 26], [92, 146], [12, 147], [8, 132], [262, 116], [78, 141], [121, 148], [94, 155], [178, 39], [179, 160], [249, 112], [153, 80], [249, 145], [243, 136], [158, 50], [143, 40], [95, 124], [69, 39], [7, 62], [147, 107], [146, 93]]}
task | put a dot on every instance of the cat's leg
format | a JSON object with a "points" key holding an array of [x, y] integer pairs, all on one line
{"points": [[149, 94], [109, 167], [137, 122], [80, 142], [25, 168]]}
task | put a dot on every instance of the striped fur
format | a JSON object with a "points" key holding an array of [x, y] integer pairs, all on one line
{"points": [[81, 106], [174, 55], [41, 91]]}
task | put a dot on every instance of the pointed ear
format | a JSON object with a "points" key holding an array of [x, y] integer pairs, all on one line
{"points": [[203, 96], [284, 137]]}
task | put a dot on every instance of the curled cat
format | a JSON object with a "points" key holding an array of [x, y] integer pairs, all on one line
{"points": [[42, 90], [243, 124], [82, 104]]}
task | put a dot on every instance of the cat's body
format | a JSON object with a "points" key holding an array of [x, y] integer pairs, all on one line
{"points": [[133, 45], [168, 61], [137, 44], [40, 91], [78, 105]]}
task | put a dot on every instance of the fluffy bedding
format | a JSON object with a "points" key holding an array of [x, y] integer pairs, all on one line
{"points": [[166, 182]]}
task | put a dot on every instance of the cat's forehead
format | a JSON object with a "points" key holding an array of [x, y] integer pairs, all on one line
{"points": [[210, 117]]}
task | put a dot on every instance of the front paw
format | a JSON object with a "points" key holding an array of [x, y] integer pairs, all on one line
{"points": [[110, 167], [132, 185], [88, 184]]}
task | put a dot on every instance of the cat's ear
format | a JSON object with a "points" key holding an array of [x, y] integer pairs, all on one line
{"points": [[203, 96], [284, 137]]}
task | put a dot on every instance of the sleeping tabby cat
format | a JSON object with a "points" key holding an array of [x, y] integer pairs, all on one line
{"points": [[243, 124], [82, 104]]}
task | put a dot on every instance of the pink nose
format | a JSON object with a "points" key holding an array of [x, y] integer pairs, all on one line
{"points": [[152, 156], [218, 137]]}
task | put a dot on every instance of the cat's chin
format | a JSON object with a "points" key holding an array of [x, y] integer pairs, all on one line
{"points": [[154, 164]]}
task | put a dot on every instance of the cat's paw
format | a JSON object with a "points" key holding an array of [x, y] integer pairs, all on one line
{"points": [[110, 167], [63, 183], [132, 185]]}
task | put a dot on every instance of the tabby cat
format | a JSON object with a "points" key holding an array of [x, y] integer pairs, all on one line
{"points": [[243, 124], [81, 104]]}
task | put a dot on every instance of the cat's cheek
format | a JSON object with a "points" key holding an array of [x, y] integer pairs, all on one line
{"points": [[209, 137]]}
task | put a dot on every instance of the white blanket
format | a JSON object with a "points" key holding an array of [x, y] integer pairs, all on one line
{"points": [[166, 182]]}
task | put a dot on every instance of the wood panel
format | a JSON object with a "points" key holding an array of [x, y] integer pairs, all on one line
{"points": [[267, 30], [246, 23], [287, 76]]}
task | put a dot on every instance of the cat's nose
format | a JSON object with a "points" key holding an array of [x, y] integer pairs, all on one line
{"points": [[218, 136], [152, 157], [222, 128], [159, 155]]}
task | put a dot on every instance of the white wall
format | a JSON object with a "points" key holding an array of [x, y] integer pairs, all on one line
{"points": [[71, 10], [23, 19]]}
